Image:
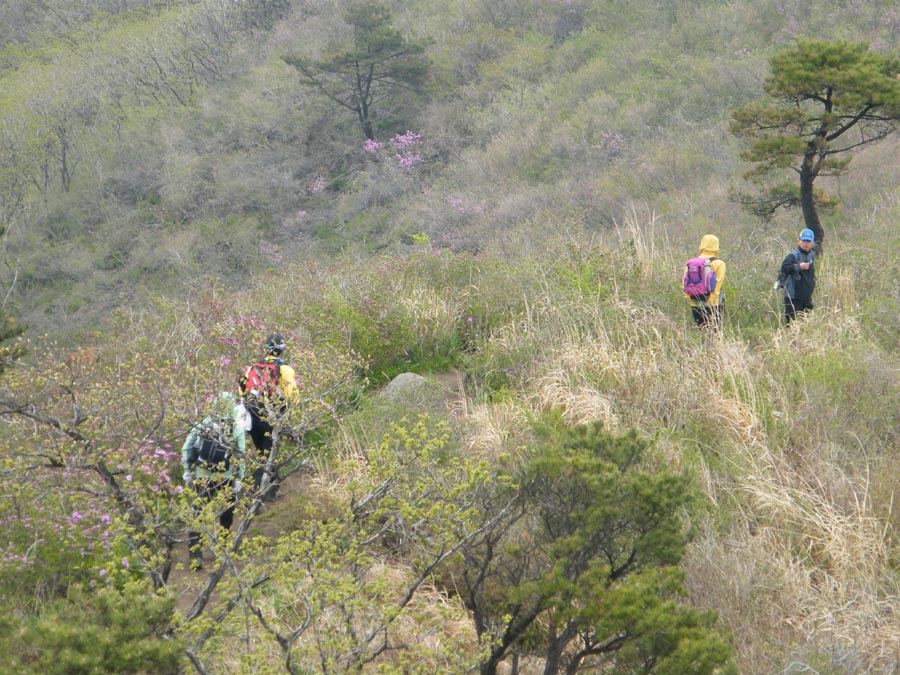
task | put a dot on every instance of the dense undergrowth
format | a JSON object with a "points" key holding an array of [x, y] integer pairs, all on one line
{"points": [[528, 242], [790, 429], [789, 432]]}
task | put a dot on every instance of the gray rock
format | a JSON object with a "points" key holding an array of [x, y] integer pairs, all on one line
{"points": [[406, 386]]}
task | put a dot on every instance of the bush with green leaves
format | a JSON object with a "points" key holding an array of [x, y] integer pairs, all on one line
{"points": [[583, 570], [355, 590], [91, 463], [100, 631]]}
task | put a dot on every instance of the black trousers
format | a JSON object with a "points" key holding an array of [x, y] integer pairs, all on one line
{"points": [[261, 435], [207, 489], [795, 306], [707, 316]]}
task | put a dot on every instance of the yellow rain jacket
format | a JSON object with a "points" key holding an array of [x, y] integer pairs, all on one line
{"points": [[709, 248]]}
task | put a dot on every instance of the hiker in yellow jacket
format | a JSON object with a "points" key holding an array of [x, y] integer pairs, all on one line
{"points": [[707, 312], [268, 388]]}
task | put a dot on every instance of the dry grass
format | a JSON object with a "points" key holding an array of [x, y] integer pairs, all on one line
{"points": [[804, 575], [837, 288], [433, 314], [806, 563], [732, 376], [645, 372], [796, 555], [495, 430], [818, 333], [568, 386], [640, 235]]}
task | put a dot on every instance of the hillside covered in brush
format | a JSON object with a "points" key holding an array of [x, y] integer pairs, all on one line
{"points": [[569, 476]]}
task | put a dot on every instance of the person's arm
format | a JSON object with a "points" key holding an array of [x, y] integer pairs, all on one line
{"points": [[186, 450], [717, 266], [242, 416], [789, 266], [289, 388], [239, 441]]}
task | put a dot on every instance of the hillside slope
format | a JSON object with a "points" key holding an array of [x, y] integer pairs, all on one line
{"points": [[521, 230], [540, 118]]}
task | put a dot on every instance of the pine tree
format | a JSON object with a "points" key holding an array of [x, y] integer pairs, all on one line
{"points": [[819, 91], [378, 65]]}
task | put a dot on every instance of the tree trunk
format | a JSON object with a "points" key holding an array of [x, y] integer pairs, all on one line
{"points": [[489, 667], [65, 174], [807, 198], [368, 130], [551, 665]]}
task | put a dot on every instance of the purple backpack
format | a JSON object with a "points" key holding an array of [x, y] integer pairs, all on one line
{"points": [[699, 278]]}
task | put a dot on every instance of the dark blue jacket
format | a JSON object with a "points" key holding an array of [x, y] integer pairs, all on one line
{"points": [[798, 284]]}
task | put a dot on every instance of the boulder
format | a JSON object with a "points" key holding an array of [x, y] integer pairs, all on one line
{"points": [[406, 386]]}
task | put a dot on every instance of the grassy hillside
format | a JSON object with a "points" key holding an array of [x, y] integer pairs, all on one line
{"points": [[789, 434], [553, 117], [523, 228]]}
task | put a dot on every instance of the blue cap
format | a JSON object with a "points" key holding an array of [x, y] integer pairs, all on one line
{"points": [[807, 235]]}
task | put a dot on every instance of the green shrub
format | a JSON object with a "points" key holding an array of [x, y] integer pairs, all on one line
{"points": [[102, 632]]}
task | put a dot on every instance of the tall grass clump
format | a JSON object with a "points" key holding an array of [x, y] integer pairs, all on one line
{"points": [[791, 426], [803, 566], [804, 573]]}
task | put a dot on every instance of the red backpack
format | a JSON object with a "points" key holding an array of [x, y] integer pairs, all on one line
{"points": [[262, 379]]}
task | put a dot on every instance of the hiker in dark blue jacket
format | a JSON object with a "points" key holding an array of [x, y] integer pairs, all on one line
{"points": [[798, 277]]}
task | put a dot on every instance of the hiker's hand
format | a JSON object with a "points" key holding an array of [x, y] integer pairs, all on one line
{"points": [[237, 487], [188, 478], [804, 266]]}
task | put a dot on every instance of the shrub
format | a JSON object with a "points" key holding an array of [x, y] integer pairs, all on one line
{"points": [[96, 632]]}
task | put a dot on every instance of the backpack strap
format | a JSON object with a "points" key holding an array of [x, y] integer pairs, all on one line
{"points": [[277, 363], [243, 380]]}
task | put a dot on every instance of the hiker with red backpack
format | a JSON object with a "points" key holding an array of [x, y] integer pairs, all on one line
{"points": [[703, 279], [213, 460], [267, 387]]}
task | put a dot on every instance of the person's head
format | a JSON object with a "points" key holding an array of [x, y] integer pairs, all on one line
{"points": [[223, 405], [709, 244], [275, 345], [807, 240]]}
